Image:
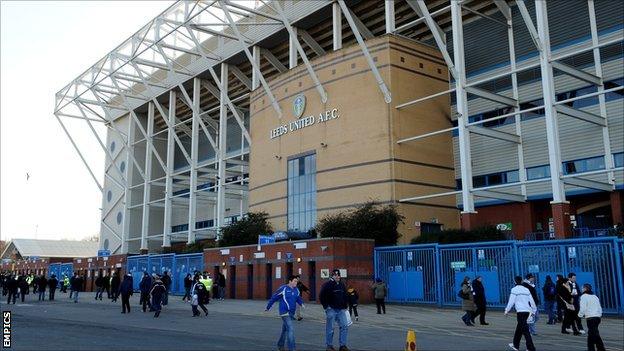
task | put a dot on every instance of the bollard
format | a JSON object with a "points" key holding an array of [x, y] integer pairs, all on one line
{"points": [[410, 341]]}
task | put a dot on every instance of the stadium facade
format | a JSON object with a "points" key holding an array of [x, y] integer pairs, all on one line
{"points": [[462, 113]]}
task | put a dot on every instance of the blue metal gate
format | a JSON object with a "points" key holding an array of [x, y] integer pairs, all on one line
{"points": [[185, 264], [432, 273], [67, 270]]}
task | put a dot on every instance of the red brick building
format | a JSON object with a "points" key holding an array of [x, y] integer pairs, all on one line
{"points": [[91, 267], [254, 272]]}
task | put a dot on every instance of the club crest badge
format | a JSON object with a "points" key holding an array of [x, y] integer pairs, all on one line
{"points": [[299, 105]]}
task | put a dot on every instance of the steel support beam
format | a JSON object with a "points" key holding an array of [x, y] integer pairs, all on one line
{"points": [[606, 140], [548, 89], [437, 33], [294, 41], [313, 44], [499, 196], [526, 17], [582, 115], [496, 134], [462, 101], [168, 212], [241, 76], [148, 176], [390, 18], [222, 146], [256, 67], [369, 59], [588, 183], [192, 212], [274, 61], [501, 99], [255, 78], [576, 73], [336, 26], [292, 47]]}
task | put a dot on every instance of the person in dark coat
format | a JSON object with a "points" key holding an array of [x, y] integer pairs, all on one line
{"points": [[188, 284], [125, 289], [42, 283], [166, 280], [115, 283], [221, 285], [106, 285], [157, 293], [52, 284], [550, 297], [99, 284], [22, 285], [468, 305], [479, 300], [560, 305], [145, 285], [11, 286], [564, 293], [76, 286], [334, 299], [202, 296]]}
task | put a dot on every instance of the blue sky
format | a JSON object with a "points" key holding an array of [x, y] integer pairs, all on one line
{"points": [[44, 45]]}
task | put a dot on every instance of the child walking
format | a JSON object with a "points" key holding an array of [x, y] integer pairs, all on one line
{"points": [[353, 297]]}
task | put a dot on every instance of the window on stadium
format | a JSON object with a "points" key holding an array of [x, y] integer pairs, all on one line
{"points": [[302, 193]]}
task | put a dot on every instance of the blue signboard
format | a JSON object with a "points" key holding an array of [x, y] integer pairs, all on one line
{"points": [[102, 253], [280, 236], [265, 239]]}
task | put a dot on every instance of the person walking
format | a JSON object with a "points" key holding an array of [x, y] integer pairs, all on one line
{"points": [[521, 299], [65, 284], [76, 286], [550, 297], [354, 298], [221, 285], [188, 284], [560, 305], [380, 291], [42, 284], [114, 286], [576, 297], [589, 307], [71, 285], [166, 280], [22, 285], [333, 297], [200, 293], [99, 284], [479, 300], [529, 283], [106, 284], [52, 284], [564, 294], [126, 290], [288, 296], [157, 293], [12, 287], [468, 306], [145, 285], [302, 289]]}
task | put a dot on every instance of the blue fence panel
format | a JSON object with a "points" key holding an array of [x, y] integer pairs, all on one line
{"points": [[136, 265], [67, 269], [55, 268], [186, 264], [431, 273]]}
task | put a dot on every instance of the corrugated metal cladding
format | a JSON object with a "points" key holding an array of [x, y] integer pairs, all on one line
{"points": [[578, 139], [568, 20]]}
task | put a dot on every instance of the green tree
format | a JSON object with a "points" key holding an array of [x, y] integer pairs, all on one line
{"points": [[452, 236], [368, 221], [246, 231]]}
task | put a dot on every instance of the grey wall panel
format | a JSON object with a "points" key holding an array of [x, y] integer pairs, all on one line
{"points": [[491, 155], [615, 112]]}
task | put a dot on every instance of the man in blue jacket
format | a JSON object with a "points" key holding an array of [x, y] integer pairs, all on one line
{"points": [[334, 299], [288, 296], [145, 286]]}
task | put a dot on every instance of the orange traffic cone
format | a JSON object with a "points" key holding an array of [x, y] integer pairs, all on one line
{"points": [[410, 341]]}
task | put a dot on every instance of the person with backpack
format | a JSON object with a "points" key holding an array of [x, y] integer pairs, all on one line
{"points": [[353, 297], [550, 297], [521, 299], [288, 296], [468, 306], [200, 297], [380, 291]]}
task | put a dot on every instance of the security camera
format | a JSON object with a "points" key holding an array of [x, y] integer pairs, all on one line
{"points": [[323, 145]]}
